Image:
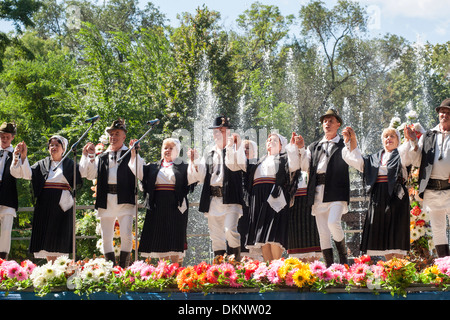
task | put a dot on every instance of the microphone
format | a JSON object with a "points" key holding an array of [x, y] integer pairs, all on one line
{"points": [[153, 122], [92, 120]]}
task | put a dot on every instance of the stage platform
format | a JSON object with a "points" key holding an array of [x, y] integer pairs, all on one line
{"points": [[416, 293]]}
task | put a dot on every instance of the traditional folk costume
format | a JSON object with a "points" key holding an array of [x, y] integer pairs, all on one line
{"points": [[221, 197], [115, 196], [433, 159], [303, 237], [244, 220], [52, 226], [269, 187], [166, 186], [8, 193], [328, 190], [387, 226]]}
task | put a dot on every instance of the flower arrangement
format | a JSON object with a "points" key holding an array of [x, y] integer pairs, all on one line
{"points": [[437, 274], [94, 275]]}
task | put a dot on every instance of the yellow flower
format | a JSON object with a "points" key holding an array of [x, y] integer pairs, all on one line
{"points": [[302, 277]]}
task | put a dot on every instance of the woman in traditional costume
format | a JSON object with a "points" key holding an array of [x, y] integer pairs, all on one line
{"points": [[269, 189], [166, 185], [386, 228], [52, 225]]}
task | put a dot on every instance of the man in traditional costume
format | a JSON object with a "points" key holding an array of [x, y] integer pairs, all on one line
{"points": [[115, 191], [222, 193], [328, 187], [8, 188]]}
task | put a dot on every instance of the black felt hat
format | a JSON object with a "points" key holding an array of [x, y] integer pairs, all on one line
{"points": [[332, 112], [221, 122], [118, 124], [9, 127], [444, 104]]}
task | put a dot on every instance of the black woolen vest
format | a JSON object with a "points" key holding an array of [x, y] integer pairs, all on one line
{"points": [[41, 169], [427, 160], [232, 185], [181, 182], [8, 187], [125, 181], [337, 179]]}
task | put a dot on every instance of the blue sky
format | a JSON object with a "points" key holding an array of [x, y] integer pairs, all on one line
{"points": [[416, 20]]}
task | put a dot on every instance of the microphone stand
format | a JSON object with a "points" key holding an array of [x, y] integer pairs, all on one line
{"points": [[134, 146], [74, 187]]}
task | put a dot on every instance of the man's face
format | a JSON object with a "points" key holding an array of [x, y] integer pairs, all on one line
{"points": [[444, 116], [220, 136], [6, 139], [117, 138], [330, 125]]}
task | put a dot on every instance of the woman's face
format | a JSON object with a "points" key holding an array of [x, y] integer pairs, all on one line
{"points": [[169, 150], [273, 144], [55, 149], [249, 151], [390, 140]]}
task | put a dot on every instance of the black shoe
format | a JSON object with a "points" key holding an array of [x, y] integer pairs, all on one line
{"points": [[124, 259], [237, 253], [442, 250], [110, 256], [328, 256], [342, 251]]}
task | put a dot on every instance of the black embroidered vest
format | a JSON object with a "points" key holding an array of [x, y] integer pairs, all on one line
{"points": [[8, 187], [337, 179], [232, 185], [125, 181]]}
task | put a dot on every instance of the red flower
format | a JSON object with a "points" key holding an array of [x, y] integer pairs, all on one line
{"points": [[416, 211], [420, 223], [363, 259]]}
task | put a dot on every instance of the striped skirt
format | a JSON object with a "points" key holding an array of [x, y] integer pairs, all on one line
{"points": [[164, 230], [265, 224], [303, 237], [51, 232], [386, 228]]}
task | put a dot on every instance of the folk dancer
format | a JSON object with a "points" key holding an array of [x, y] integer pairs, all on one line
{"points": [[115, 191]]}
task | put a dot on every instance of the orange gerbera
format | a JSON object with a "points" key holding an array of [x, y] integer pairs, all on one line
{"points": [[186, 279]]}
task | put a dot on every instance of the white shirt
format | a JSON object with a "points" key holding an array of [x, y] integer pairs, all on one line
{"points": [[22, 170], [323, 159], [88, 169], [165, 174], [355, 159], [441, 168]]}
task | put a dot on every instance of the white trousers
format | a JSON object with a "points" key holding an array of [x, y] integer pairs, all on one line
{"points": [[436, 203], [222, 222], [126, 233], [328, 218], [6, 223]]}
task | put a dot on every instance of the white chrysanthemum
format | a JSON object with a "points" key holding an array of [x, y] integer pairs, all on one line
{"points": [[87, 274], [62, 262], [412, 115], [414, 235], [395, 122], [98, 229], [99, 245], [39, 280]]}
